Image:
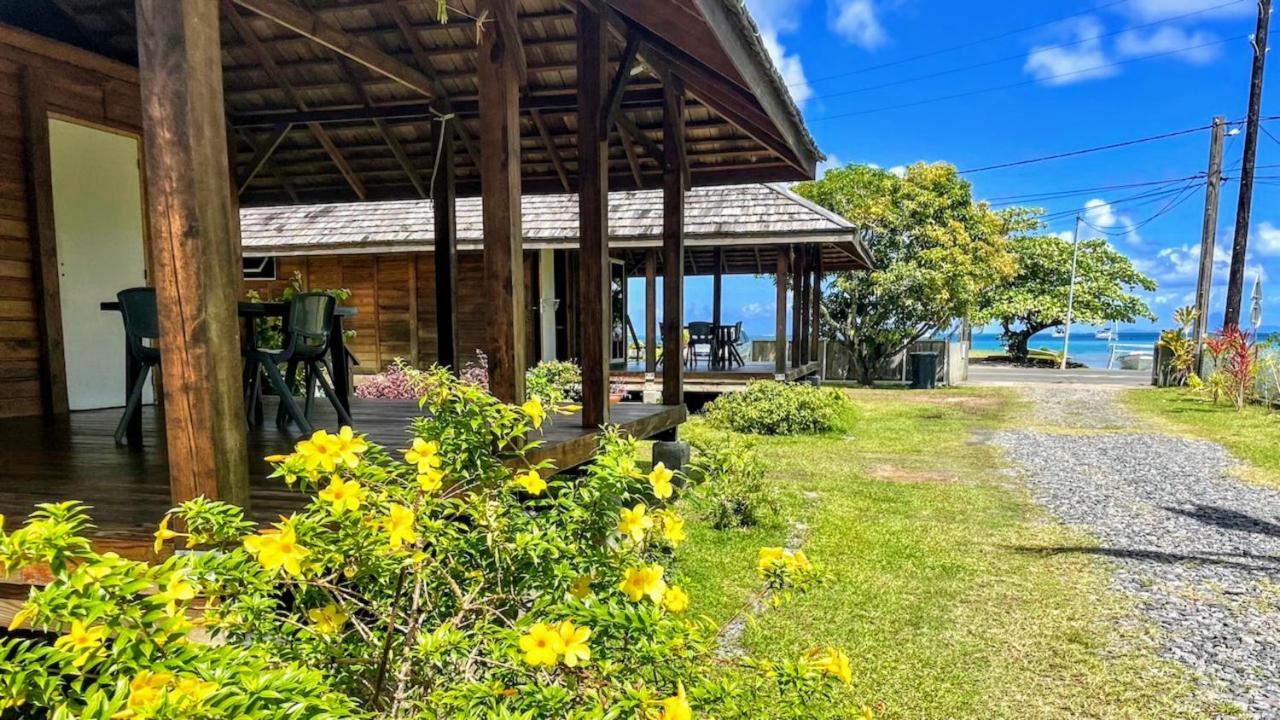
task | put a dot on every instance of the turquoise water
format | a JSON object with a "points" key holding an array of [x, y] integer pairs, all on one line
{"points": [[1085, 348]]}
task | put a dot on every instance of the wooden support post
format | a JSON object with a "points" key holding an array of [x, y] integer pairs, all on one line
{"points": [[650, 314], [673, 187], [797, 306], [44, 248], [498, 73], [815, 314], [593, 215], [717, 286], [443, 202], [804, 298], [780, 314], [195, 237]]}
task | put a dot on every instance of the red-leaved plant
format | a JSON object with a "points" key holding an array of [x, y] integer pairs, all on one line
{"points": [[1235, 358]]}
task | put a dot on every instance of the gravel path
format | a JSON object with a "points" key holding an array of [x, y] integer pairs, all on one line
{"points": [[1198, 549]]}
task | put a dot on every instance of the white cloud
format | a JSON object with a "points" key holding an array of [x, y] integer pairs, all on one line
{"points": [[756, 310], [1266, 240], [1085, 59], [1207, 9], [832, 162], [775, 17], [858, 22], [1179, 265], [1100, 214], [899, 170], [1183, 43]]}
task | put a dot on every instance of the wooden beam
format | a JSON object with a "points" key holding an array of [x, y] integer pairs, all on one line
{"points": [[780, 313], [805, 300], [593, 216], [261, 154], [628, 148], [269, 165], [620, 78], [500, 199], [351, 45], [717, 285], [797, 321], [444, 205], [194, 248], [815, 330], [650, 313], [269, 66], [44, 248], [673, 187], [556, 161]]}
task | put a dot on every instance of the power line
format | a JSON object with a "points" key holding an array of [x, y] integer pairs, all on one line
{"points": [[1138, 200], [962, 46], [1024, 83], [1086, 151], [1058, 194], [1019, 56]]}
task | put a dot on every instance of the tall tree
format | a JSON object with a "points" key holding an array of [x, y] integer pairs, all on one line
{"points": [[1035, 297], [936, 253]]}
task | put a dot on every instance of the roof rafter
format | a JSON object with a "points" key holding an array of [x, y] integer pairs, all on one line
{"points": [[541, 125]]}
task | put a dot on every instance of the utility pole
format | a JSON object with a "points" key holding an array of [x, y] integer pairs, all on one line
{"points": [[1235, 280], [1209, 232], [1071, 293]]}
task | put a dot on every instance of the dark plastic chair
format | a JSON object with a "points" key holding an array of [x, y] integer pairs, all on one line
{"points": [[736, 339], [307, 331], [701, 333], [141, 325]]}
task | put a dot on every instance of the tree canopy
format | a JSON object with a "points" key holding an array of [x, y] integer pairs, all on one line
{"points": [[1035, 296], [937, 252]]}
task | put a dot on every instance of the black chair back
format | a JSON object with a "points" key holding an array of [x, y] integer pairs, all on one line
{"points": [[700, 332], [141, 321], [309, 325]]}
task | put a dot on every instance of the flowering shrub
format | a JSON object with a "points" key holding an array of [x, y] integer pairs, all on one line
{"points": [[767, 407], [1235, 361], [730, 491], [394, 383], [1181, 348], [554, 382], [448, 579]]}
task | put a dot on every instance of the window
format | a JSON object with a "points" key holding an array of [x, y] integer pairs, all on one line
{"points": [[259, 268]]}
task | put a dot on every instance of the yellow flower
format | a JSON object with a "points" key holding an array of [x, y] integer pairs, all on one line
{"points": [[676, 708], [866, 713], [194, 689], [542, 645], [320, 451], [672, 527], [675, 600], [343, 495], [770, 556], [22, 617], [399, 526], [834, 661], [163, 534], [580, 588], [425, 454], [574, 643], [799, 561], [639, 582], [278, 549], [431, 480], [533, 408], [634, 522], [349, 446], [327, 620], [147, 687], [80, 640], [532, 482], [175, 591], [660, 479], [274, 459]]}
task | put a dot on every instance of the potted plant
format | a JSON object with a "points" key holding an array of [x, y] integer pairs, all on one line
{"points": [[617, 391]]}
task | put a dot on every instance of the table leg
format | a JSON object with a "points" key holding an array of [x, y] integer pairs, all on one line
{"points": [[133, 368], [341, 371]]}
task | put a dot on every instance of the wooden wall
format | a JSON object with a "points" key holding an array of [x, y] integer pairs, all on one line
{"points": [[78, 86], [394, 295]]}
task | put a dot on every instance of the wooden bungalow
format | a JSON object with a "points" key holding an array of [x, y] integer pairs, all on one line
{"points": [[383, 252], [133, 130]]}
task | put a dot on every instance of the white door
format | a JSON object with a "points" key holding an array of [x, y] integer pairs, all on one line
{"points": [[97, 209]]}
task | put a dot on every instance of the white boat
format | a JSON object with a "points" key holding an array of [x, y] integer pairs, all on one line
{"points": [[1059, 332], [1107, 334]]}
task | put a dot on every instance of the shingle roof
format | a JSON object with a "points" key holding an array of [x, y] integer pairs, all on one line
{"points": [[724, 215]]}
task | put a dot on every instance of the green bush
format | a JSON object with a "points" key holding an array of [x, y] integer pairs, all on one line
{"points": [[730, 491], [554, 382], [777, 408]]}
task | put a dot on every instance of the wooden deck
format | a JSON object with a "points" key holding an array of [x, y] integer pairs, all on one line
{"points": [[702, 380], [74, 457]]}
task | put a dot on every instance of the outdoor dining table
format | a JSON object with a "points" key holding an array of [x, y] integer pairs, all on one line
{"points": [[250, 313]]}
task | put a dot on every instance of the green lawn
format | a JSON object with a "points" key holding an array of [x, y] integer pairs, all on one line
{"points": [[1252, 435], [941, 587]]}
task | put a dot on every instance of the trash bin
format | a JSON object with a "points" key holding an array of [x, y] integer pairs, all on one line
{"points": [[924, 370]]}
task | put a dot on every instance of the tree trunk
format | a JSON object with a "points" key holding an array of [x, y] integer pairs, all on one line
{"points": [[1018, 345]]}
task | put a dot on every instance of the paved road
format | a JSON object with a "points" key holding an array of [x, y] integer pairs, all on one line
{"points": [[1196, 548], [984, 374]]}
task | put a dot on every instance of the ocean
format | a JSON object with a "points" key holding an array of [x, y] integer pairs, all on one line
{"points": [[1085, 348]]}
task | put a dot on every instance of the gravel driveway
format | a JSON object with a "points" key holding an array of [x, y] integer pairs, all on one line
{"points": [[1198, 549]]}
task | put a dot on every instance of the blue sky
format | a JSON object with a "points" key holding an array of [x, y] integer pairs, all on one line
{"points": [[1112, 71]]}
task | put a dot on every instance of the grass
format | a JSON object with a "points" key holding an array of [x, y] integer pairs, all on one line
{"points": [[945, 586], [1250, 434]]}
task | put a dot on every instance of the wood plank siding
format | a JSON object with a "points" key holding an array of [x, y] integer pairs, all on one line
{"points": [[73, 85]]}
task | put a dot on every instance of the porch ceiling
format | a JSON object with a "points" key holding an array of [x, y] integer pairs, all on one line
{"points": [[334, 100]]}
